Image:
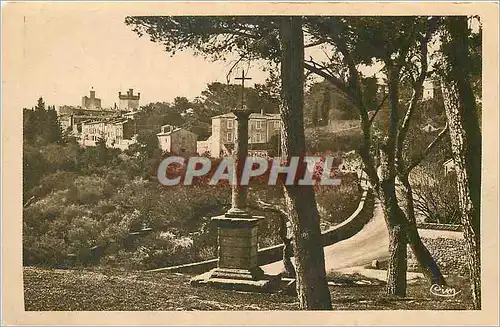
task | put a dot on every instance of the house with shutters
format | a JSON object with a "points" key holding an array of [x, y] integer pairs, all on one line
{"points": [[261, 128], [118, 133]]}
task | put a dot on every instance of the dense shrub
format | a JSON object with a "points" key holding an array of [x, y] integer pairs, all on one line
{"points": [[435, 196], [88, 213], [97, 205], [337, 203], [319, 141]]}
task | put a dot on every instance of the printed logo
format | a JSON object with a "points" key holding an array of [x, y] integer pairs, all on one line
{"points": [[443, 291]]}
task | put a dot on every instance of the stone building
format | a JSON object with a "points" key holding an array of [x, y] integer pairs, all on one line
{"points": [[66, 122], [71, 117], [129, 101], [203, 147], [432, 90], [176, 140], [91, 102], [118, 133], [92, 131], [261, 127]]}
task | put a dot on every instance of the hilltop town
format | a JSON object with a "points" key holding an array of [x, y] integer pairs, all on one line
{"points": [[119, 126]]}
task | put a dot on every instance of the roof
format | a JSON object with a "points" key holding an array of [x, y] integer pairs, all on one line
{"points": [[175, 130], [118, 121], [106, 120], [92, 122], [254, 115]]}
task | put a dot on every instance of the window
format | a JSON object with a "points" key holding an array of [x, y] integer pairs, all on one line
{"points": [[229, 123], [258, 124], [258, 137], [230, 137], [276, 124]]}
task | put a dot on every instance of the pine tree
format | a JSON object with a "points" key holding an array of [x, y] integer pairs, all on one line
{"points": [[29, 126], [465, 133], [39, 117], [52, 130]]}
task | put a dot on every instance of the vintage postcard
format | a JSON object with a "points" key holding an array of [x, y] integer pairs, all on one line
{"points": [[224, 163]]}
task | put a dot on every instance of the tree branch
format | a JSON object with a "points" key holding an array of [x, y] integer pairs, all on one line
{"points": [[431, 145], [337, 82], [363, 115], [378, 109], [416, 96]]}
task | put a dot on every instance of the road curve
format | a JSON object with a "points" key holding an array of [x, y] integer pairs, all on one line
{"points": [[371, 243]]}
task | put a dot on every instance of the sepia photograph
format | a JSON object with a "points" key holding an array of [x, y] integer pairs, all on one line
{"points": [[164, 162]]}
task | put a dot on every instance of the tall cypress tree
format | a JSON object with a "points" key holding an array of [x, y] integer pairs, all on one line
{"points": [[52, 130], [39, 117]]}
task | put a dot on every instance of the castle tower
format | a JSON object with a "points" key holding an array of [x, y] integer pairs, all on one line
{"points": [[129, 101], [91, 102]]}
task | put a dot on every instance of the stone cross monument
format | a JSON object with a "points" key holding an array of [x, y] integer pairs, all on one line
{"points": [[238, 229]]}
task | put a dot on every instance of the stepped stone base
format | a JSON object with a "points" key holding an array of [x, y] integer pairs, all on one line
{"points": [[238, 267], [239, 280]]}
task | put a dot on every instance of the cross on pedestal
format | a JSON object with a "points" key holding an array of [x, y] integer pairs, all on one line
{"points": [[240, 154], [243, 79], [238, 266]]}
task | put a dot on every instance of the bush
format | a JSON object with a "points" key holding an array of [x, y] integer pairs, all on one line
{"points": [[98, 213], [60, 180], [319, 141], [436, 196], [337, 203]]}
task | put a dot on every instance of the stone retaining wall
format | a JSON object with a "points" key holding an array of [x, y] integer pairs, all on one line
{"points": [[455, 228], [448, 253], [346, 229], [354, 223]]}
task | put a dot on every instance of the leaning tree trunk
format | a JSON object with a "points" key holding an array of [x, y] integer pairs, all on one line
{"points": [[396, 225], [461, 113], [312, 286], [422, 255]]}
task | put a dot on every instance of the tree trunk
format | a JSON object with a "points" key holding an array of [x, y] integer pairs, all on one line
{"points": [[287, 248], [424, 258], [396, 269], [396, 225], [312, 286], [461, 113]]}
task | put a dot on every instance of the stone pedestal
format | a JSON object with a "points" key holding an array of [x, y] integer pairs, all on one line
{"points": [[238, 267], [237, 247]]}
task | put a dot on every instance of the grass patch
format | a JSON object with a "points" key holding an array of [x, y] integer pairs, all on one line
{"points": [[114, 290]]}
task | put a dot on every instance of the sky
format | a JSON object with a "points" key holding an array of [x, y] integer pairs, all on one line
{"points": [[60, 51], [65, 53]]}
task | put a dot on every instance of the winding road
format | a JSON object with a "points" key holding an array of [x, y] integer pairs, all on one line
{"points": [[371, 243]]}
